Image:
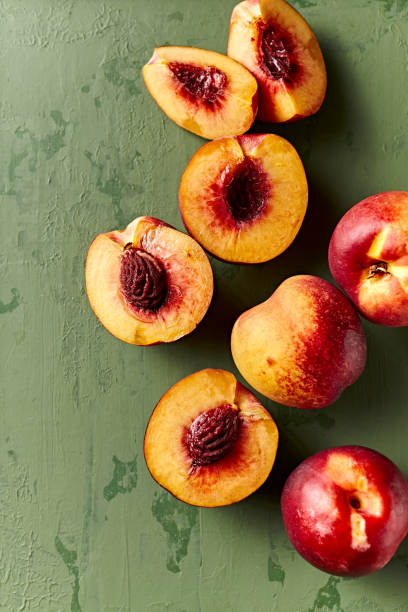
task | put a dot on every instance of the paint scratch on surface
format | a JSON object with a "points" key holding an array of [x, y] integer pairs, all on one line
{"points": [[177, 520], [124, 478], [328, 597], [276, 573], [176, 16], [123, 72], [111, 179], [69, 558], [12, 304]]}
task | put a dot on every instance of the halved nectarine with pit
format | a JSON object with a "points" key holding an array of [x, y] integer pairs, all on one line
{"points": [[277, 45], [209, 441], [202, 91], [244, 198], [148, 283]]}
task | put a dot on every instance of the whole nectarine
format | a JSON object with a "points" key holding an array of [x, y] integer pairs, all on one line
{"points": [[368, 257], [345, 510], [303, 346]]}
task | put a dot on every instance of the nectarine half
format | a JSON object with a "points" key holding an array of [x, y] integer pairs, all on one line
{"points": [[277, 45], [209, 441], [149, 283], [244, 198], [204, 92]]}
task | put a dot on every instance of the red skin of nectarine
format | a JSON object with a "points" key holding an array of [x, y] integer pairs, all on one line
{"points": [[345, 510], [368, 257]]}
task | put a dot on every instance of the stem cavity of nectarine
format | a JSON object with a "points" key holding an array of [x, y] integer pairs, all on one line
{"points": [[378, 269], [143, 279], [212, 435]]}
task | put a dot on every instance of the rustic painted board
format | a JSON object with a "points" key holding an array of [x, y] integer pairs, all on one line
{"points": [[84, 149]]}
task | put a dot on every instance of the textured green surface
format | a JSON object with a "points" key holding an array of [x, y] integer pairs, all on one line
{"points": [[84, 149]]}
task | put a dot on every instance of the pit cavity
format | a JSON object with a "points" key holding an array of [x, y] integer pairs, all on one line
{"points": [[277, 52], [246, 190], [206, 85], [212, 435], [143, 279]]}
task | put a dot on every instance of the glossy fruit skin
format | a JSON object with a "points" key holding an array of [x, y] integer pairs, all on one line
{"points": [[303, 346], [368, 257], [324, 526]]}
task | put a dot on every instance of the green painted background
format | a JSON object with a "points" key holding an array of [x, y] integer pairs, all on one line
{"points": [[83, 150]]}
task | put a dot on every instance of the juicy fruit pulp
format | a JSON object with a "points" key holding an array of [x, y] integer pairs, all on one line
{"points": [[148, 283], [277, 53], [143, 279], [212, 435], [209, 441], [244, 198], [205, 85], [272, 40], [204, 92], [246, 190]]}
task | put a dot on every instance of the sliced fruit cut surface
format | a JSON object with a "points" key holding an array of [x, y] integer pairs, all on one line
{"points": [[244, 198], [277, 45], [202, 91], [209, 441], [149, 283]]}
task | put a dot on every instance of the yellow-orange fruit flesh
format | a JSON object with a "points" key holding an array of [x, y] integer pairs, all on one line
{"points": [[278, 46], [203, 91], [234, 475], [244, 198], [188, 279]]}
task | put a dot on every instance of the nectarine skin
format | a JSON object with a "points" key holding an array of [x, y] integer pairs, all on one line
{"points": [[345, 510], [368, 257], [303, 346], [209, 441], [277, 45]]}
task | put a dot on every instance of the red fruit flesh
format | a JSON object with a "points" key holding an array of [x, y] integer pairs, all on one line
{"points": [[277, 53], [143, 280], [212, 435], [206, 85]]}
